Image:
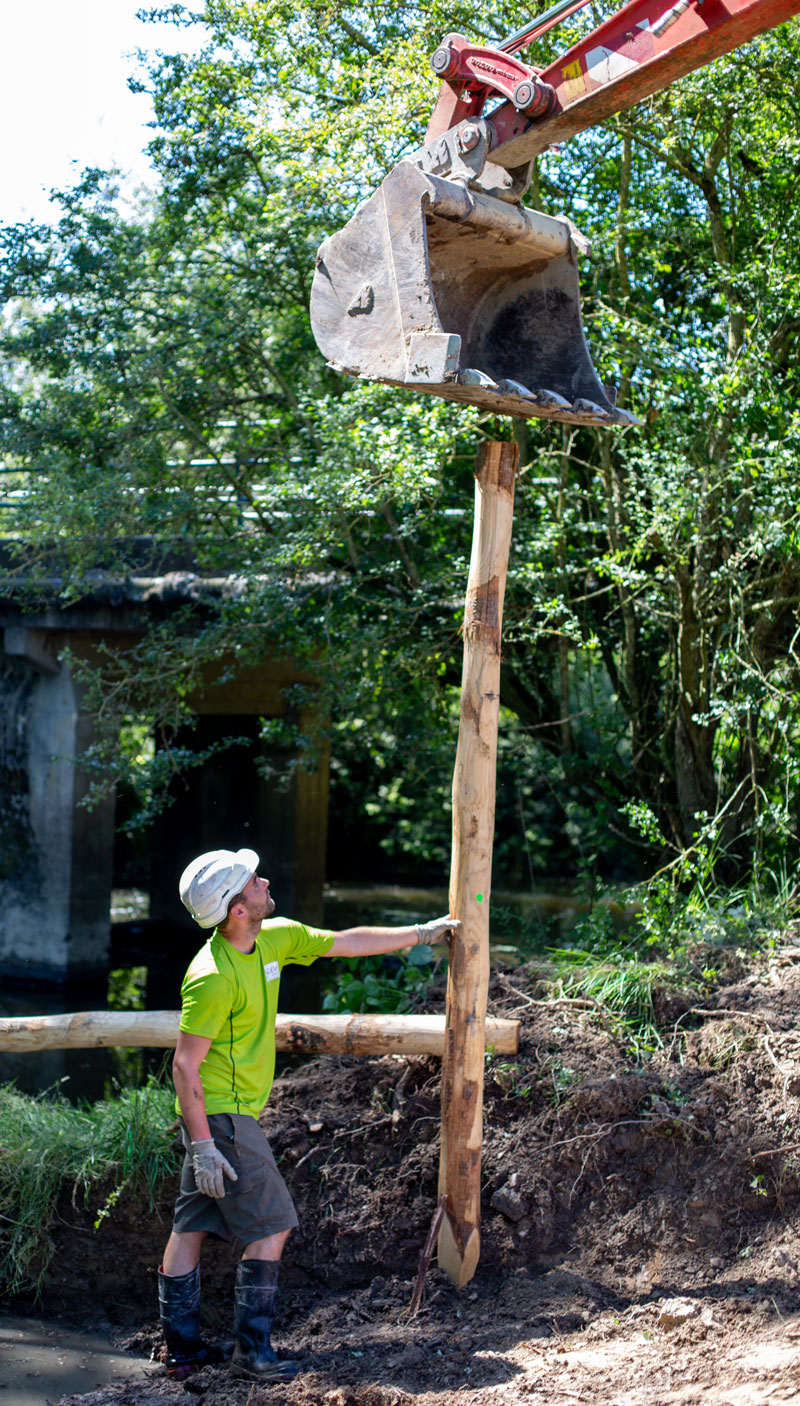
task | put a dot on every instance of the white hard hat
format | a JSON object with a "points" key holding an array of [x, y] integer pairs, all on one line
{"points": [[210, 882]]}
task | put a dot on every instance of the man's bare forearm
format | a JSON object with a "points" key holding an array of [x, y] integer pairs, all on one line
{"points": [[192, 1099], [370, 942]]}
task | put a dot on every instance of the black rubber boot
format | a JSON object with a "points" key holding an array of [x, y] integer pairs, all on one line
{"points": [[254, 1309], [179, 1305]]}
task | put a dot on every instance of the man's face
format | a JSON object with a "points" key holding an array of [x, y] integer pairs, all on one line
{"points": [[257, 898]]}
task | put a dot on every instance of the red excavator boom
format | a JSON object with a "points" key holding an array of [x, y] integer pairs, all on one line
{"points": [[638, 51]]}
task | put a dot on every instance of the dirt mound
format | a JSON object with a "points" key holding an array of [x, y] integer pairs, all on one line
{"points": [[638, 1239]]}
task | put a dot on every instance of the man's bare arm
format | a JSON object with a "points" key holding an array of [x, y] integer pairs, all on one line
{"points": [[210, 1167], [190, 1052], [370, 942]]}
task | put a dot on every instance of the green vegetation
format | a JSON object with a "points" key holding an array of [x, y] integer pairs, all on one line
{"points": [[52, 1149], [160, 385], [679, 941], [388, 985], [623, 988], [636, 956]]}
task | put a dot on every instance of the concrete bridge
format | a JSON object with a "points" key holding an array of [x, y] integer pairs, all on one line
{"points": [[57, 857]]}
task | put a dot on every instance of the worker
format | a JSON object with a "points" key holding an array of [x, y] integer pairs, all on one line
{"points": [[223, 1071]]}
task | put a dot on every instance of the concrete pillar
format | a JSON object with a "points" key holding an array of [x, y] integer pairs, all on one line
{"points": [[56, 864]]}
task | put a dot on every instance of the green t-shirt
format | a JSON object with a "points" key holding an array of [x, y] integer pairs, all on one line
{"points": [[233, 998]]}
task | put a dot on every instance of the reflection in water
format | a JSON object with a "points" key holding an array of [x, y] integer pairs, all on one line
{"points": [[78, 1069], [89, 1074], [522, 924]]}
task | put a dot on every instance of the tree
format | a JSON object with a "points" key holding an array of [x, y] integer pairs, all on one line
{"points": [[163, 383], [690, 524]]}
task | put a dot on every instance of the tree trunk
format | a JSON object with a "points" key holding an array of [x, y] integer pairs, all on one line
{"points": [[474, 784]]}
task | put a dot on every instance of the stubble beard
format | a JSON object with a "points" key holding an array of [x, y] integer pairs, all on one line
{"points": [[257, 912]]}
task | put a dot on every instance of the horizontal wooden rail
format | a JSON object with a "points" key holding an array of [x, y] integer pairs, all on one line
{"points": [[304, 1034]]}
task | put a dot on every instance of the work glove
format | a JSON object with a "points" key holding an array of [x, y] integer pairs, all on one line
{"points": [[436, 929], [209, 1164]]}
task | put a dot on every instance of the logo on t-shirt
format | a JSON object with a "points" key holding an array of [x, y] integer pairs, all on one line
{"points": [[272, 971]]}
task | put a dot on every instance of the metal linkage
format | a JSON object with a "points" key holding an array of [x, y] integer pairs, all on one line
{"points": [[638, 51], [482, 72], [540, 24]]}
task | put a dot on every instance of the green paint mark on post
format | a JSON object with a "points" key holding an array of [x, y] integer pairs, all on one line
{"points": [[479, 898]]}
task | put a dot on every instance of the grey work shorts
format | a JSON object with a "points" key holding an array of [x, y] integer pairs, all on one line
{"points": [[256, 1205]]}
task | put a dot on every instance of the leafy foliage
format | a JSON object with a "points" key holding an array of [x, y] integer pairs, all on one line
{"points": [[681, 937], [162, 401], [389, 986]]}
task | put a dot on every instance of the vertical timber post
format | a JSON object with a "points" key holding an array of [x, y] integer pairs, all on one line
{"points": [[474, 786]]}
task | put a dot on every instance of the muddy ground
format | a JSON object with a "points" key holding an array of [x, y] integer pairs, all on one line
{"points": [[640, 1220]]}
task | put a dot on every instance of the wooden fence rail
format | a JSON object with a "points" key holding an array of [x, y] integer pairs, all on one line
{"points": [[304, 1034]]}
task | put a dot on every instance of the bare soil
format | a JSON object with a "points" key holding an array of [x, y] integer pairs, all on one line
{"points": [[640, 1238]]}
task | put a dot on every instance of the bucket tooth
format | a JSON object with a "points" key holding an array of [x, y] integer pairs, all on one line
{"points": [[514, 388], [597, 412], [553, 401], [431, 280], [470, 377]]}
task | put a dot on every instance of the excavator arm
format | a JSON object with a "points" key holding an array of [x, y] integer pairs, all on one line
{"points": [[442, 281], [638, 51]]}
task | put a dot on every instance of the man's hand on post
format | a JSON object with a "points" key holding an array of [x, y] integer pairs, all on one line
{"points": [[437, 930], [209, 1165]]}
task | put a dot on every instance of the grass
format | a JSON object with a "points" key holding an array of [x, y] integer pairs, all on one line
{"points": [[50, 1147], [677, 942], [623, 989]]}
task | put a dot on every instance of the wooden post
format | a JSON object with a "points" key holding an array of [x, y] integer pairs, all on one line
{"points": [[474, 785]]}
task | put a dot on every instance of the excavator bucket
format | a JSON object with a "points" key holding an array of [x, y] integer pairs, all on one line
{"points": [[444, 289]]}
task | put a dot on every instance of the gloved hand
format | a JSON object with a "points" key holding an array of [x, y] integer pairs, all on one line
{"points": [[209, 1164], [436, 929]]}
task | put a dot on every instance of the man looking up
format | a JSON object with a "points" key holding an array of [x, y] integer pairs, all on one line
{"points": [[223, 1070]]}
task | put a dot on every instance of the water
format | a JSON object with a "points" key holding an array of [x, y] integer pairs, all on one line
{"points": [[41, 1361], [521, 922], [91, 1073]]}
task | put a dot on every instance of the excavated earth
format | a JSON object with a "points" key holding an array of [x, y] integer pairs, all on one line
{"points": [[640, 1238]]}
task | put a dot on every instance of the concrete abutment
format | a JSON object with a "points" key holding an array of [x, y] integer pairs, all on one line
{"points": [[57, 855]]}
